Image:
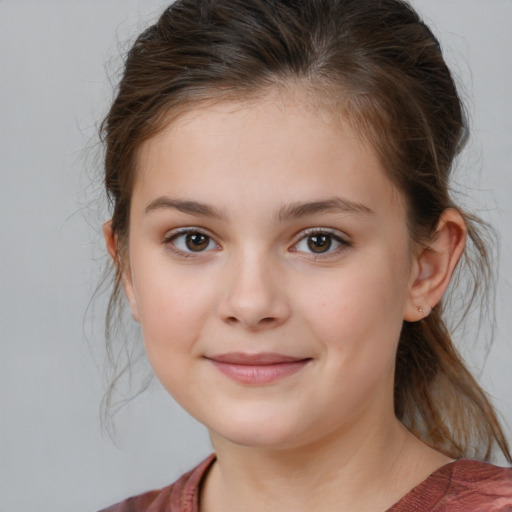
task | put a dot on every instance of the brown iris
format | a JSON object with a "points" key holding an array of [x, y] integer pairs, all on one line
{"points": [[196, 242], [319, 243]]}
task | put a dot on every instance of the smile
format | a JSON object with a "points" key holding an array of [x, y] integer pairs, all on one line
{"points": [[256, 369]]}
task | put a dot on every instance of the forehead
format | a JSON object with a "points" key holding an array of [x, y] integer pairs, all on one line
{"points": [[282, 147]]}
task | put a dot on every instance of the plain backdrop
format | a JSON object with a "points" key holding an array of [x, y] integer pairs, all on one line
{"points": [[57, 61]]}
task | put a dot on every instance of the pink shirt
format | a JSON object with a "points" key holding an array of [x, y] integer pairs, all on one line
{"points": [[461, 486]]}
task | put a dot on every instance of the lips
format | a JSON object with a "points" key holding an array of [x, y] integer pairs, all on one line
{"points": [[256, 369]]}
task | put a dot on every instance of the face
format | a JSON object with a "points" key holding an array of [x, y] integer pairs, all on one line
{"points": [[270, 270]]}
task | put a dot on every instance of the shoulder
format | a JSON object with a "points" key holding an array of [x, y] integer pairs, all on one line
{"points": [[461, 486], [181, 496], [479, 486]]}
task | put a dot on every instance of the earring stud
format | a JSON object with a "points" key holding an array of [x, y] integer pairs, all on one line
{"points": [[420, 310]]}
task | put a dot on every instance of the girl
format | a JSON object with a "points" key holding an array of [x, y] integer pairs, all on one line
{"points": [[284, 234]]}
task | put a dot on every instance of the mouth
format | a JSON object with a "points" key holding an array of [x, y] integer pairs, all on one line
{"points": [[255, 369]]}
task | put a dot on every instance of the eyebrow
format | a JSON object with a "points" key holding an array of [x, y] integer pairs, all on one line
{"points": [[191, 207], [331, 205], [287, 212]]}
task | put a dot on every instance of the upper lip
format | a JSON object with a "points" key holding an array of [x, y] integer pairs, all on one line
{"points": [[261, 359]]}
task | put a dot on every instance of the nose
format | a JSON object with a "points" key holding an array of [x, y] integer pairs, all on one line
{"points": [[254, 294]]}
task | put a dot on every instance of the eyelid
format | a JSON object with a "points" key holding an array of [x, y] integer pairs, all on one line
{"points": [[335, 233], [172, 233], [329, 231]]}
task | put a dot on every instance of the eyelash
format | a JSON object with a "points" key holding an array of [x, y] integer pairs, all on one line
{"points": [[332, 235]]}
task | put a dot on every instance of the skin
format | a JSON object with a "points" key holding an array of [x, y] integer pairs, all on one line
{"points": [[325, 435]]}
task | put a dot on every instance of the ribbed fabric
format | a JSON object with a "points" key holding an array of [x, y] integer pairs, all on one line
{"points": [[182, 496], [461, 486]]}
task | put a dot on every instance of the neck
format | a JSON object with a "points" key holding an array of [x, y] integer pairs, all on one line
{"points": [[359, 470]]}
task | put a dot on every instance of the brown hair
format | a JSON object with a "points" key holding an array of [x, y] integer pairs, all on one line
{"points": [[383, 68]]}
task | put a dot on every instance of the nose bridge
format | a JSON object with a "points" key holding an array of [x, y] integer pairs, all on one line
{"points": [[254, 295]]}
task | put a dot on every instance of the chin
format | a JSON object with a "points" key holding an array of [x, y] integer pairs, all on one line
{"points": [[264, 432], [268, 439]]}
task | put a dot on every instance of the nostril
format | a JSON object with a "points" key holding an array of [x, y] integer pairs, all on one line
{"points": [[268, 320]]}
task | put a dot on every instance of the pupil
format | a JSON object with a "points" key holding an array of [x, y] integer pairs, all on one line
{"points": [[196, 241], [319, 243]]}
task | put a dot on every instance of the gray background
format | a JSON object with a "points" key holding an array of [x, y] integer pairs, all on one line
{"points": [[55, 60]]}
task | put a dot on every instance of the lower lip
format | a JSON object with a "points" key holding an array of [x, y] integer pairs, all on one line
{"points": [[260, 374]]}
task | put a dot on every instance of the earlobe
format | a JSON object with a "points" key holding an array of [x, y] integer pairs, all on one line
{"points": [[435, 264], [123, 270]]}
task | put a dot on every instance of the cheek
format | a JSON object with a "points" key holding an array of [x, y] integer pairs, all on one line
{"points": [[358, 313], [173, 307]]}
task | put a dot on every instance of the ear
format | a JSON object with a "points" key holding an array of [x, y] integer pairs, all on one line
{"points": [[123, 269], [434, 264]]}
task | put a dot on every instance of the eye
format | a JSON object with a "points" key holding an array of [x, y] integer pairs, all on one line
{"points": [[191, 241], [320, 242]]}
